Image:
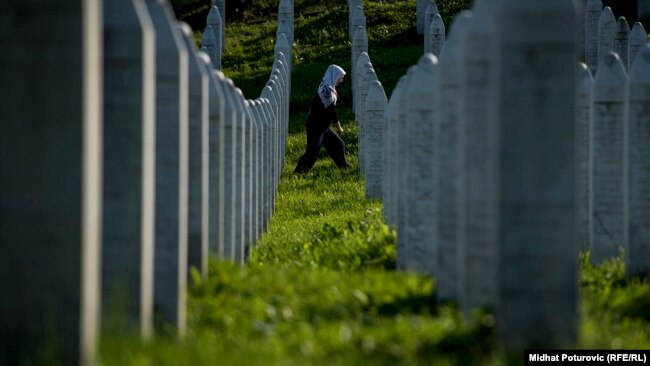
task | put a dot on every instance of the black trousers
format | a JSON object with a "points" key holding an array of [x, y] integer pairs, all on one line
{"points": [[334, 146]]}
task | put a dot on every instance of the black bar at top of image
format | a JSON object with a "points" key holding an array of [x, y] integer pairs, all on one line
{"points": [[590, 357]]}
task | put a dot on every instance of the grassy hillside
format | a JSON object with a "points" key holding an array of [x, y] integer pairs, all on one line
{"points": [[321, 288]]}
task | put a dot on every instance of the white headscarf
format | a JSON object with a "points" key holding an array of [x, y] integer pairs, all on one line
{"points": [[327, 88]]}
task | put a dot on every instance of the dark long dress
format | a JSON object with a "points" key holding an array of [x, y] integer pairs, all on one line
{"points": [[318, 122]]}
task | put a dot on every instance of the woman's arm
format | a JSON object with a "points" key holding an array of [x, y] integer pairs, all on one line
{"points": [[333, 116]]}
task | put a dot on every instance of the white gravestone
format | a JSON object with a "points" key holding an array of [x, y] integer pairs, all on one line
{"points": [[367, 77], [536, 174], [170, 267], [447, 142], [392, 111], [282, 72], [358, 19], [129, 165], [437, 35], [275, 141], [386, 156], [361, 61], [285, 13], [277, 130], [267, 115], [401, 171], [266, 96], [638, 38], [606, 32], [352, 5], [375, 107], [216, 161], [359, 45], [271, 107], [421, 171], [282, 47], [211, 47], [431, 11], [593, 11], [637, 198], [255, 177], [477, 213], [622, 40], [581, 13], [582, 122], [197, 205], [250, 178], [214, 21], [51, 159], [420, 10], [283, 75], [284, 27], [231, 120], [606, 176], [243, 163], [221, 5]]}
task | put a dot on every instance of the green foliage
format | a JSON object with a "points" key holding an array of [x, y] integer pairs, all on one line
{"points": [[292, 316], [615, 308]]}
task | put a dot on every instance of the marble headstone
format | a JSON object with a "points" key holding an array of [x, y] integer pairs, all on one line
{"points": [[198, 105], [477, 181], [421, 187], [638, 38], [170, 267], [606, 32], [606, 176], [375, 106], [537, 288], [437, 35], [129, 167], [50, 169], [447, 142], [593, 10], [637, 165], [583, 124], [622, 40]]}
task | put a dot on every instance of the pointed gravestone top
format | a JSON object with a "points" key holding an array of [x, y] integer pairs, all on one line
{"points": [[607, 16], [376, 99], [622, 40], [363, 59], [585, 79], [622, 26], [208, 39], [214, 17], [458, 26], [610, 73], [282, 42], [432, 8], [638, 38], [437, 22], [638, 31]]}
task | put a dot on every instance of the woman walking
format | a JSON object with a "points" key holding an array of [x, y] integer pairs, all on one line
{"points": [[322, 113]]}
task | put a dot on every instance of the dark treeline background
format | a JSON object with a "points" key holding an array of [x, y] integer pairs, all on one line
{"points": [[194, 12]]}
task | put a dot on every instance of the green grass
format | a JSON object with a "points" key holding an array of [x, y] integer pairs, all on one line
{"points": [[321, 288]]}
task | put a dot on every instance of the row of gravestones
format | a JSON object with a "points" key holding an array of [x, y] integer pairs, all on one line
{"points": [[599, 32], [126, 160], [497, 158]]}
